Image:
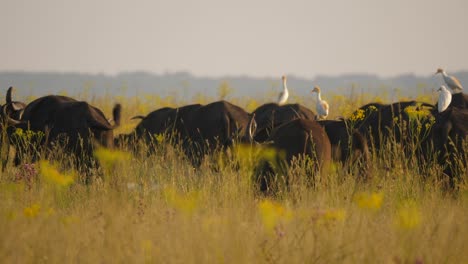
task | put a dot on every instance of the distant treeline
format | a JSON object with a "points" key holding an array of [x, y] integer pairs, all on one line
{"points": [[185, 86]]}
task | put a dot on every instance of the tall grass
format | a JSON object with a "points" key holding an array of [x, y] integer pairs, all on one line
{"points": [[155, 207]]}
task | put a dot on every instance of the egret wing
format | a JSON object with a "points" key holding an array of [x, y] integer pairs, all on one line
{"points": [[455, 82]]}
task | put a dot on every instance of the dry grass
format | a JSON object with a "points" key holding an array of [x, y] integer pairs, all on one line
{"points": [[157, 209]]}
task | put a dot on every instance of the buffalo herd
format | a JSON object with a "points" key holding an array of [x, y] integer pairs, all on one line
{"points": [[201, 130]]}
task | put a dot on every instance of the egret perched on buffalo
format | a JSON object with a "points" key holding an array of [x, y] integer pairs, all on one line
{"points": [[283, 96], [445, 97], [322, 105], [452, 82]]}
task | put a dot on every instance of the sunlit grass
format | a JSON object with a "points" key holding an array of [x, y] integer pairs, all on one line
{"points": [[152, 208]]}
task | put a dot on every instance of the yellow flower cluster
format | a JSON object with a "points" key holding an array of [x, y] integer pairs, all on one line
{"points": [[372, 108], [52, 175], [334, 215], [27, 135], [417, 112], [361, 114], [369, 201], [32, 211], [251, 105], [273, 214], [247, 154], [109, 158], [187, 203], [160, 138], [358, 115]]}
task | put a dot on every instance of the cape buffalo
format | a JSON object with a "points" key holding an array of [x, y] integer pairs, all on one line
{"points": [[162, 121], [212, 126], [449, 135], [348, 145], [67, 122], [379, 123], [300, 138], [271, 115], [198, 129]]}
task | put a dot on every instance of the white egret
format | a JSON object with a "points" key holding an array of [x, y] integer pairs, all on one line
{"points": [[283, 96], [445, 97], [322, 105], [452, 82]]}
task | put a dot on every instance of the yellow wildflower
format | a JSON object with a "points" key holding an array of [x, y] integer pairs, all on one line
{"points": [[32, 211], [417, 112], [338, 215], [369, 201], [186, 203], [273, 214], [109, 158], [19, 132], [247, 155], [372, 108], [51, 174], [27, 135], [159, 138], [251, 105], [358, 115]]}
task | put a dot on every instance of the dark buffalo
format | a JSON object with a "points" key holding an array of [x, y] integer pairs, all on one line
{"points": [[198, 129], [165, 121], [300, 138], [12, 109], [271, 115], [64, 121], [449, 134], [349, 146], [212, 126], [379, 123]]}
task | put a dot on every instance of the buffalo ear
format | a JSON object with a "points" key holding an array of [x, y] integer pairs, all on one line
{"points": [[8, 95]]}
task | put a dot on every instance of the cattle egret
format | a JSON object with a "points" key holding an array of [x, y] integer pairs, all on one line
{"points": [[322, 105], [452, 82], [283, 96], [445, 97]]}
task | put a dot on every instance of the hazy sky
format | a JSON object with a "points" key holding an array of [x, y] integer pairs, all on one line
{"points": [[249, 37]]}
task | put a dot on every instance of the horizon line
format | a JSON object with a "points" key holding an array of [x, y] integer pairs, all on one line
{"points": [[225, 76]]}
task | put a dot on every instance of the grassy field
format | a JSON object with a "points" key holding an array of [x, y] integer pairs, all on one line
{"points": [[157, 208]]}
